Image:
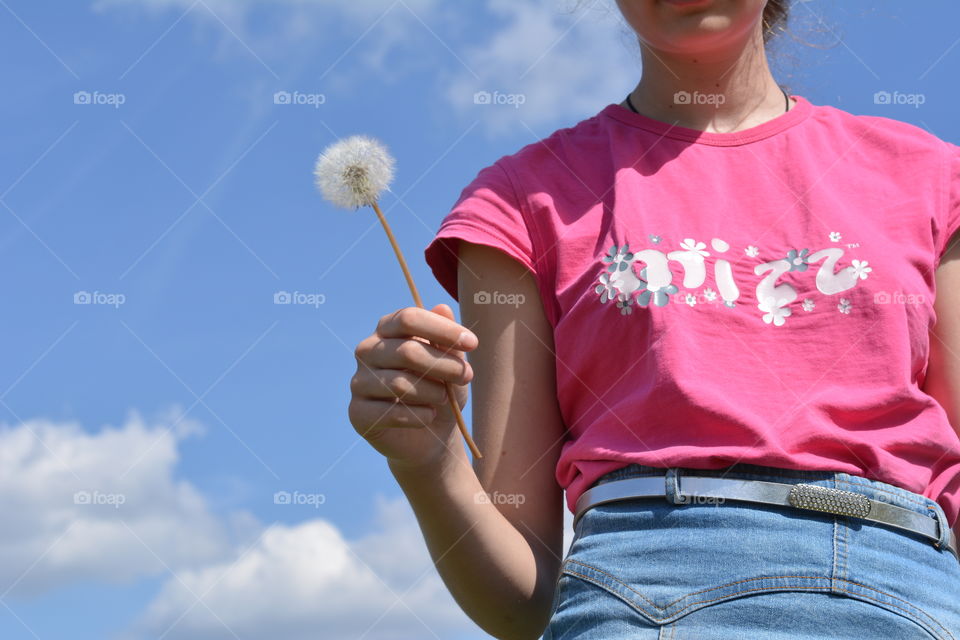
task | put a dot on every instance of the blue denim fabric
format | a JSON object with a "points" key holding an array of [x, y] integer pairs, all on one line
{"points": [[729, 570]]}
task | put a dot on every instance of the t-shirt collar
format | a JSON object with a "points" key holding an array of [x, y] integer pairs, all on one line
{"points": [[799, 112]]}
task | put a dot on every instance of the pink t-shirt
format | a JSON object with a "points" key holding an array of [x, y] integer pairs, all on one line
{"points": [[763, 296]]}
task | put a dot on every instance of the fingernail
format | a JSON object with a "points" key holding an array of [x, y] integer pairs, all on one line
{"points": [[467, 339]]}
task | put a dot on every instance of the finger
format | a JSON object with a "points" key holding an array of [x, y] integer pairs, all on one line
{"points": [[406, 386], [383, 414], [421, 358], [433, 327]]}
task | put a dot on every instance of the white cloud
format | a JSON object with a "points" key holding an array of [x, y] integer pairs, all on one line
{"points": [[308, 581], [365, 9], [281, 38], [106, 507], [136, 519], [562, 65], [101, 506], [275, 24]]}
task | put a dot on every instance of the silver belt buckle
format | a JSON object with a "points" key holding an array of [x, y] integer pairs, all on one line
{"points": [[828, 500]]}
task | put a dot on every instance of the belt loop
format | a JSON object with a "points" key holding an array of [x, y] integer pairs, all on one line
{"points": [[671, 487], [943, 528]]}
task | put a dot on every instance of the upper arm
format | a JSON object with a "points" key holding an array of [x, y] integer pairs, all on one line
{"points": [[943, 371], [516, 417]]}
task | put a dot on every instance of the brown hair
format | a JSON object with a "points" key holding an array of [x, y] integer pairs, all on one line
{"points": [[775, 16]]}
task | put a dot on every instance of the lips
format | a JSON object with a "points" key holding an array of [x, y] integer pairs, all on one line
{"points": [[687, 3]]}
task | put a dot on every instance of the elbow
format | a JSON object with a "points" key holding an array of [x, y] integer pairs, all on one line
{"points": [[527, 618], [536, 613], [524, 623]]}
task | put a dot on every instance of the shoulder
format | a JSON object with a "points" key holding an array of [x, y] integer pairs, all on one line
{"points": [[559, 148], [879, 132]]}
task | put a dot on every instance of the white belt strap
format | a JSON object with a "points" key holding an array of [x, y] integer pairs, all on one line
{"points": [[801, 496]]}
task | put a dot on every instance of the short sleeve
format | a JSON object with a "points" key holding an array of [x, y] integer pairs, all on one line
{"points": [[951, 221], [487, 212]]}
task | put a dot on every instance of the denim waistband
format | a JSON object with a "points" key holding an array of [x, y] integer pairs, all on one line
{"points": [[873, 489]]}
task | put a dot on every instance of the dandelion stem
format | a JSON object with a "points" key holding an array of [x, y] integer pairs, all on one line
{"points": [[396, 249], [451, 397]]}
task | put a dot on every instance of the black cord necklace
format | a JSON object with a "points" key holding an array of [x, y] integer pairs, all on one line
{"points": [[785, 97]]}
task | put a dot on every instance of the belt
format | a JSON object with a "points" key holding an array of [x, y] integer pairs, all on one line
{"points": [[802, 496]]}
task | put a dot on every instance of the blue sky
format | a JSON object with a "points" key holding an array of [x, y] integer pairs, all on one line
{"points": [[148, 168]]}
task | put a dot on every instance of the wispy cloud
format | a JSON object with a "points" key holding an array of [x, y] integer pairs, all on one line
{"points": [[546, 65], [279, 23], [542, 63]]}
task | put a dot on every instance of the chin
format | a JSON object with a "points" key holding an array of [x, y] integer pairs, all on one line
{"points": [[708, 33], [690, 26]]}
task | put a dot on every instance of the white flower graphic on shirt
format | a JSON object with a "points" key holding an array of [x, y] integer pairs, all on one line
{"points": [[709, 294], [808, 304], [835, 236], [798, 261], [752, 251], [620, 281], [860, 268], [693, 246], [690, 299], [775, 310], [607, 289], [844, 305], [619, 258], [660, 297]]}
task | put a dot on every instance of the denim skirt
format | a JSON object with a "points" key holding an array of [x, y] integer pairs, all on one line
{"points": [[648, 568]]}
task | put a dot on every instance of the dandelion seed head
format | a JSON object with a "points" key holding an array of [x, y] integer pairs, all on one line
{"points": [[353, 172]]}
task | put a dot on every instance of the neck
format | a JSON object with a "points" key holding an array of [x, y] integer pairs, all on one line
{"points": [[728, 90]]}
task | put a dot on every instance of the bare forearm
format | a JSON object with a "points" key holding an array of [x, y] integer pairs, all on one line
{"points": [[488, 566]]}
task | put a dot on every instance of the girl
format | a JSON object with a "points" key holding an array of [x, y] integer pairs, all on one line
{"points": [[706, 314]]}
